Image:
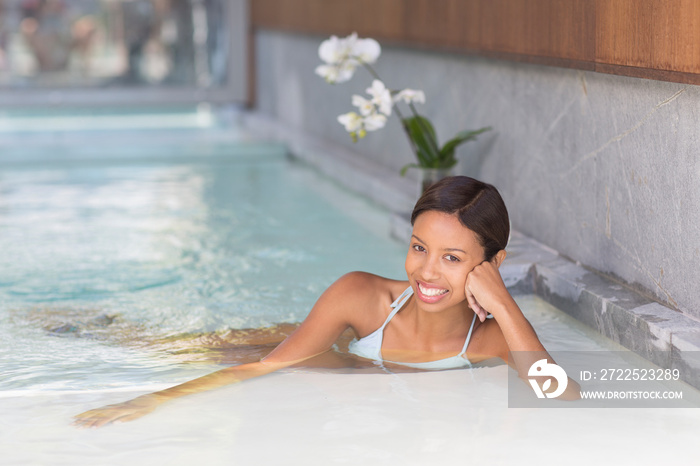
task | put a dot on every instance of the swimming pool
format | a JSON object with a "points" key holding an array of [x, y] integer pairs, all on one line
{"points": [[99, 253]]}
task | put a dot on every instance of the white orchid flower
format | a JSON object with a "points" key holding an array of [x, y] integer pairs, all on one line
{"points": [[366, 106], [336, 53], [360, 50], [333, 51], [410, 95], [345, 71], [348, 43], [381, 97], [374, 122], [358, 126], [343, 56], [336, 73], [366, 50], [327, 72], [352, 121]]}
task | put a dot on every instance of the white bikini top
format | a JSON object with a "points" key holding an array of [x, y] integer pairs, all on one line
{"points": [[370, 347]]}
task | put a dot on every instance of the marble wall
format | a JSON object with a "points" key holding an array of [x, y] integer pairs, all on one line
{"points": [[602, 168]]}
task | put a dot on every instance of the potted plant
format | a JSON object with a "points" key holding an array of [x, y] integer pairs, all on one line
{"points": [[342, 56]]}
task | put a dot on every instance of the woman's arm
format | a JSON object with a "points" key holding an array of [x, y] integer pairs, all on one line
{"points": [[330, 316], [142, 405], [521, 347]]}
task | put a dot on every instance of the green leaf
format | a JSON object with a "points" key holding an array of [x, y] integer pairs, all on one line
{"points": [[405, 168], [422, 133], [447, 153]]}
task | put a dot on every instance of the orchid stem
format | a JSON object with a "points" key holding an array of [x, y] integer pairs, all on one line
{"points": [[375, 75], [370, 69]]}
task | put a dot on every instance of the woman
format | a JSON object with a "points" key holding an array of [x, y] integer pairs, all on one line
{"points": [[437, 319]]}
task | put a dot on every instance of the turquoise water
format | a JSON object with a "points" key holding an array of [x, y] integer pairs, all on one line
{"points": [[166, 248]]}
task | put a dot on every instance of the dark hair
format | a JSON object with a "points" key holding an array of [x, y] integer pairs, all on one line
{"points": [[477, 205]]}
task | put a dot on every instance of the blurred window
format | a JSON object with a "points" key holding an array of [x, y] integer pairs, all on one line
{"points": [[120, 43]]}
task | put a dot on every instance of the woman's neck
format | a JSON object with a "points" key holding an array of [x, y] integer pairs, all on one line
{"points": [[434, 327]]}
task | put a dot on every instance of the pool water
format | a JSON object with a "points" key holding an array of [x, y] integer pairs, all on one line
{"points": [[98, 254], [167, 249]]}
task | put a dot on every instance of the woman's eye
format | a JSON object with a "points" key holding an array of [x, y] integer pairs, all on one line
{"points": [[452, 258], [418, 247]]}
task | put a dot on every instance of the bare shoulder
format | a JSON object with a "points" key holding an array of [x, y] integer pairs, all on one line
{"points": [[367, 286], [365, 298], [366, 289], [350, 302]]}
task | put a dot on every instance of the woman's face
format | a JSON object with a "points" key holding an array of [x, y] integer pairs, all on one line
{"points": [[441, 254]]}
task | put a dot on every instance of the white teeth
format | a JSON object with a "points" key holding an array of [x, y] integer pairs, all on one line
{"points": [[431, 291]]}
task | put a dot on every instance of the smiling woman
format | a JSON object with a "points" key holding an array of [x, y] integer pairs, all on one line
{"points": [[434, 320]]}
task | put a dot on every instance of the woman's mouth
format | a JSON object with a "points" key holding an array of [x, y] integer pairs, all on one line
{"points": [[430, 294]]}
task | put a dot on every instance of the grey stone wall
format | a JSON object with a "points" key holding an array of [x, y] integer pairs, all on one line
{"points": [[604, 169]]}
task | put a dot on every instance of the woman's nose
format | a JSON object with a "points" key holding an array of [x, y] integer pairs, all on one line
{"points": [[430, 269]]}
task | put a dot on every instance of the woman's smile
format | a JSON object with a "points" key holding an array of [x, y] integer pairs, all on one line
{"points": [[429, 294]]}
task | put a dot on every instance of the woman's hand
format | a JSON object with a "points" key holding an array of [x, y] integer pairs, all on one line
{"points": [[120, 412], [486, 291]]}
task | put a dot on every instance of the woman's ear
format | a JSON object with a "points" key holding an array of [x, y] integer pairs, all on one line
{"points": [[498, 259]]}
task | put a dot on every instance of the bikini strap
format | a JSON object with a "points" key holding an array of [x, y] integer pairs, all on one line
{"points": [[469, 336], [408, 291], [397, 305]]}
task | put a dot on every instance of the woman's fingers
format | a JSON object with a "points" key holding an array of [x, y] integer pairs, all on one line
{"points": [[95, 419], [474, 305], [486, 290], [85, 419], [100, 420], [108, 415]]}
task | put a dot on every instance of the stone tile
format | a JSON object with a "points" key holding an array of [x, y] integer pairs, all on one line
{"points": [[686, 355], [686, 340]]}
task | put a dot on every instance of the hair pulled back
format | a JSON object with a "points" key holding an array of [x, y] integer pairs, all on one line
{"points": [[477, 205]]}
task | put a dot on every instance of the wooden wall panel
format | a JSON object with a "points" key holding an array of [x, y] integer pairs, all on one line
{"points": [[548, 28], [657, 39], [438, 24], [376, 18], [661, 35]]}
